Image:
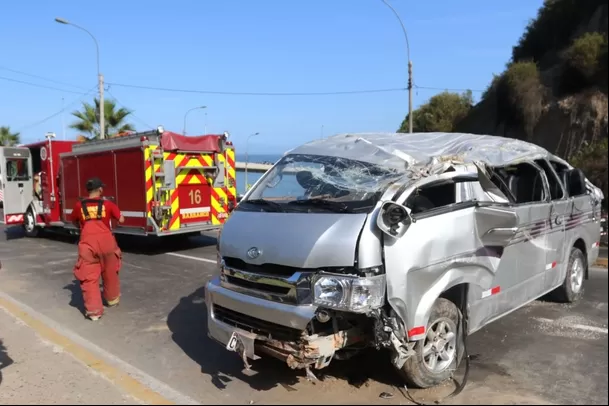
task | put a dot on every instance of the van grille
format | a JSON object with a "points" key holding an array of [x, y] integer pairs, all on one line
{"points": [[263, 287], [270, 269], [254, 325]]}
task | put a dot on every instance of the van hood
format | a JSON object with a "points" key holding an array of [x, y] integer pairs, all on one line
{"points": [[301, 240]]}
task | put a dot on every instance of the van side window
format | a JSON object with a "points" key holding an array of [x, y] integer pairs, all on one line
{"points": [[563, 174], [523, 182], [431, 197], [556, 191]]}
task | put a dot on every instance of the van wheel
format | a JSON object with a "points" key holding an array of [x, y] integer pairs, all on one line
{"points": [[439, 354], [29, 225], [572, 288]]}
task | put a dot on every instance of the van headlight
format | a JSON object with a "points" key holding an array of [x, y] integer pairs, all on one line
{"points": [[349, 293]]}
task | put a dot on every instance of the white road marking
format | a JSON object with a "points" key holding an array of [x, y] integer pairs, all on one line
{"points": [[156, 385], [594, 329], [591, 328], [175, 254]]}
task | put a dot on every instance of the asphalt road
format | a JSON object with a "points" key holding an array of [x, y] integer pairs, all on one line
{"points": [[542, 353]]}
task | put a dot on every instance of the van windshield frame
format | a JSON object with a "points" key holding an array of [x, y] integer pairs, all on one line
{"points": [[319, 183]]}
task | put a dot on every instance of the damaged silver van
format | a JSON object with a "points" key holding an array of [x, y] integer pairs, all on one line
{"points": [[404, 242]]}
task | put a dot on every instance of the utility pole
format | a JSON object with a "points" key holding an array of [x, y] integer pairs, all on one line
{"points": [[409, 95], [100, 79], [102, 113], [410, 83], [63, 125]]}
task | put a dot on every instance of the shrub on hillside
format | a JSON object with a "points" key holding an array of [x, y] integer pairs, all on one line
{"points": [[583, 61], [491, 89], [592, 159], [441, 113], [520, 95], [553, 28]]}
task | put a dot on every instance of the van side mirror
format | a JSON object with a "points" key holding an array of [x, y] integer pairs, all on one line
{"points": [[393, 219], [577, 182]]}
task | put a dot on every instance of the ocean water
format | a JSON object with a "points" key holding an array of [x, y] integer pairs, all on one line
{"points": [[252, 177]]}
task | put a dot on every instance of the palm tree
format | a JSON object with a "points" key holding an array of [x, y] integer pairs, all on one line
{"points": [[89, 119], [7, 138]]}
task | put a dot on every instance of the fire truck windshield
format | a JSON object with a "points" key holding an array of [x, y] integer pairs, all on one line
{"points": [[17, 169], [320, 183]]}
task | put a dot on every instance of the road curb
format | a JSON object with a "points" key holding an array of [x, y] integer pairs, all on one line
{"points": [[601, 262], [134, 382]]}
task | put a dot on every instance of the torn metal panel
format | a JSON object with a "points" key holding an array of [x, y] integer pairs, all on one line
{"points": [[413, 154]]}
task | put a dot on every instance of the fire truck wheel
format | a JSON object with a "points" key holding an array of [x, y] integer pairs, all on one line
{"points": [[29, 225]]}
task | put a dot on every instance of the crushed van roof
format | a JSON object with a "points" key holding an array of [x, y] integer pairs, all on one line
{"points": [[421, 149]]}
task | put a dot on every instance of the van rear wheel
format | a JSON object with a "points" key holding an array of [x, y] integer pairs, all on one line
{"points": [[572, 288], [439, 354]]}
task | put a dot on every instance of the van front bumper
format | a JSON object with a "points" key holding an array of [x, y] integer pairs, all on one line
{"points": [[275, 329], [228, 310]]}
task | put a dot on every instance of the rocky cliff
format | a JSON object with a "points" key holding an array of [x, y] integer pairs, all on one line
{"points": [[554, 90]]}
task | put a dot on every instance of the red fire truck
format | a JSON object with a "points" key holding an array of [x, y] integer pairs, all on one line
{"points": [[163, 182]]}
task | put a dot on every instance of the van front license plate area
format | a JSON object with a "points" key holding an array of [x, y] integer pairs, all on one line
{"points": [[236, 345], [233, 342]]}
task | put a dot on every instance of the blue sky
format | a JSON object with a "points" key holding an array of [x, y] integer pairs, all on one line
{"points": [[250, 46]]}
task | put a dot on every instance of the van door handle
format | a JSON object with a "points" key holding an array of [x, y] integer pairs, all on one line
{"points": [[20, 184]]}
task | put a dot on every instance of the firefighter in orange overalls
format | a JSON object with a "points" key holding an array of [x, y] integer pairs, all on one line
{"points": [[98, 252]]}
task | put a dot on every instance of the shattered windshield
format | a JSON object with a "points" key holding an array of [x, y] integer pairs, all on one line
{"points": [[314, 183]]}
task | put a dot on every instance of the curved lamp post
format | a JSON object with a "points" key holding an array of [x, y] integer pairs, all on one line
{"points": [[100, 78], [185, 115], [409, 66]]}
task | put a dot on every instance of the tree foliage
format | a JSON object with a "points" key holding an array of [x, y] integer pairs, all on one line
{"points": [[552, 29], [441, 113], [9, 138], [583, 61], [88, 120], [520, 95], [592, 159]]}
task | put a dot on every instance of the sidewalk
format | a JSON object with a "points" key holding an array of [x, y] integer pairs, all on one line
{"points": [[33, 371]]}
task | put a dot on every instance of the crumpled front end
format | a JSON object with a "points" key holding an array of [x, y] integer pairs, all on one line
{"points": [[303, 336]]}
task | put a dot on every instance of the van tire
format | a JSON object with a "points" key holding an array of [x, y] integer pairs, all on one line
{"points": [[572, 288], [29, 224], [417, 371]]}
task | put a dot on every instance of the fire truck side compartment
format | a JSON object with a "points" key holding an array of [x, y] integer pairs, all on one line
{"points": [[121, 170]]}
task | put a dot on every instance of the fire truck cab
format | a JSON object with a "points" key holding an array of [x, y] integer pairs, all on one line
{"points": [[163, 182], [15, 183]]}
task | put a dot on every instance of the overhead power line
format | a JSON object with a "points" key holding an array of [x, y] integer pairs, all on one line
{"points": [[42, 77], [38, 85], [219, 92], [447, 89], [166, 89], [66, 107], [132, 114]]}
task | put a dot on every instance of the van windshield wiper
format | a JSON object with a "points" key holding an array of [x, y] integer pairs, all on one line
{"points": [[268, 203], [338, 207]]}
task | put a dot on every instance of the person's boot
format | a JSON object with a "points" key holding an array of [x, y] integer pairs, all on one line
{"points": [[94, 316], [113, 303]]}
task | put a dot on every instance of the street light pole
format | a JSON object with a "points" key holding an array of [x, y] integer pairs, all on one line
{"points": [[186, 114], [100, 79], [247, 142], [409, 66]]}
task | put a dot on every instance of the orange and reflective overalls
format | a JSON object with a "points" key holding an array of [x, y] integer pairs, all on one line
{"points": [[98, 256]]}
